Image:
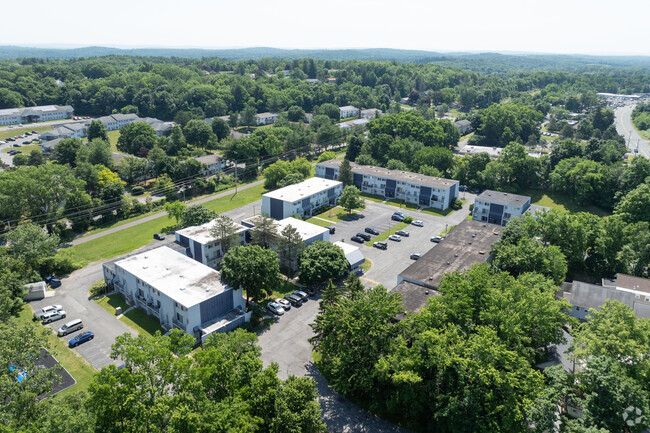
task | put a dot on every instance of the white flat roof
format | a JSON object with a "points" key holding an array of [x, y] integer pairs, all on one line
{"points": [[305, 229], [182, 279], [201, 234], [352, 254], [303, 189]]}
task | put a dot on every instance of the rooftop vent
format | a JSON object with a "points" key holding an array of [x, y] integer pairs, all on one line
{"points": [[470, 243], [426, 292], [448, 263], [481, 252], [431, 278], [456, 255], [181, 288]]}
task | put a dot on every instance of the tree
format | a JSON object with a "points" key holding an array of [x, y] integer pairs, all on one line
{"points": [[289, 247], [322, 261], [635, 205], [355, 142], [66, 150], [296, 407], [220, 128], [36, 158], [175, 210], [136, 136], [350, 199], [326, 156], [249, 116], [198, 133], [253, 269], [528, 255], [224, 231], [196, 215], [265, 231], [296, 114], [131, 168], [345, 173], [97, 129], [567, 131], [99, 152], [279, 170], [21, 159]]}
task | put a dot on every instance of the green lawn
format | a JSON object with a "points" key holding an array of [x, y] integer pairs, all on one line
{"points": [[19, 131], [366, 265], [129, 239], [447, 230], [112, 137], [384, 235], [283, 289], [320, 222], [24, 149], [372, 197], [563, 202], [336, 214], [77, 366], [111, 302], [121, 223], [437, 212], [398, 202], [141, 322]]}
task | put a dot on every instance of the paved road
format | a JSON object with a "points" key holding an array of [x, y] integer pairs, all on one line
{"points": [[85, 239], [626, 129]]}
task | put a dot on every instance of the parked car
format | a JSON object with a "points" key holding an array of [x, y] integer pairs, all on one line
{"points": [[357, 239], [81, 338], [402, 233], [45, 310], [71, 326], [395, 217], [294, 300], [365, 236], [28, 133], [53, 316], [16, 144], [284, 303], [10, 139], [399, 214], [275, 308], [418, 223], [27, 142], [2, 142], [332, 229], [34, 132], [381, 245], [436, 239], [11, 153], [371, 230], [303, 296], [159, 237], [415, 256], [395, 238], [53, 282]]}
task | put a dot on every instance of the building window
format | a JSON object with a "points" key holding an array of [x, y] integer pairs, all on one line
{"points": [[484, 210], [506, 215]]}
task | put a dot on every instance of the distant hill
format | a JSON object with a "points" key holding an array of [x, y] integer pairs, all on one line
{"points": [[485, 62]]}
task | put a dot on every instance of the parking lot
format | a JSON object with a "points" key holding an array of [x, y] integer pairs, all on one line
{"points": [[15, 145], [387, 264]]}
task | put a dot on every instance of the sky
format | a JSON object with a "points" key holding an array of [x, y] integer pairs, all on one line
{"points": [[595, 27]]}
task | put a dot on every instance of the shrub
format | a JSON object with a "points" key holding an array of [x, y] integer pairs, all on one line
{"points": [[98, 289], [408, 220], [456, 204], [137, 190]]}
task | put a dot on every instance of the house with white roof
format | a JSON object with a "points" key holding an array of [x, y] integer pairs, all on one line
{"points": [[201, 246], [301, 198], [182, 293]]}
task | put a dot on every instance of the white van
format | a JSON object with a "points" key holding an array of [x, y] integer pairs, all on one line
{"points": [[71, 326]]}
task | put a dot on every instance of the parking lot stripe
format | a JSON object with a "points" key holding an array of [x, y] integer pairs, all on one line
{"points": [[369, 280]]}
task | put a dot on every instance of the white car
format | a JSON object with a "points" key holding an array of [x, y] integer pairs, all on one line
{"points": [[53, 316], [276, 309], [395, 238], [436, 239], [45, 310], [2, 142], [418, 223], [284, 303]]}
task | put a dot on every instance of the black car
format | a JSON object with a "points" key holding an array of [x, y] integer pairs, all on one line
{"points": [[396, 217], [159, 237], [332, 229], [11, 139], [365, 236], [16, 145], [53, 282], [372, 231], [357, 239], [294, 300], [381, 245]]}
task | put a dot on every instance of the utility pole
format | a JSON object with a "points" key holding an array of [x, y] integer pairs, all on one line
{"points": [[236, 182]]}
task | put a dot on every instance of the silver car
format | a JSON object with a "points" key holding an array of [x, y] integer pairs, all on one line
{"points": [[276, 309], [53, 316], [418, 223], [46, 310], [395, 238]]}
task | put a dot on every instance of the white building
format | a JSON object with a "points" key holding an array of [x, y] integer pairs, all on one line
{"points": [[214, 163], [69, 130], [118, 121], [200, 244], [309, 232], [497, 207], [267, 118], [426, 191], [179, 291], [353, 123], [371, 113], [12, 116], [353, 255], [302, 198], [348, 111]]}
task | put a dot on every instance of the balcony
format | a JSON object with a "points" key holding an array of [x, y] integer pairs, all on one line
{"points": [[178, 323]]}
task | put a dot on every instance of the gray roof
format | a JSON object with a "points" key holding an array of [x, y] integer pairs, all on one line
{"points": [[467, 243], [585, 295], [629, 282], [503, 198], [353, 254], [463, 122], [406, 176], [414, 297], [267, 115], [213, 158]]}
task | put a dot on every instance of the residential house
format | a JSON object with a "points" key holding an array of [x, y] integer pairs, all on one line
{"points": [[348, 111], [180, 292], [118, 120], [267, 118], [464, 126], [214, 163], [427, 191], [69, 130], [301, 198], [371, 113]]}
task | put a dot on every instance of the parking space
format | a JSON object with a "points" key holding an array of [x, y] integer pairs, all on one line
{"points": [[387, 264], [12, 148]]}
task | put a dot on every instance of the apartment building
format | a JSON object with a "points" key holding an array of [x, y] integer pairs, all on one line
{"points": [[201, 246], [348, 111], [12, 116], [180, 292], [266, 118], [302, 198], [426, 191], [497, 207]]}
